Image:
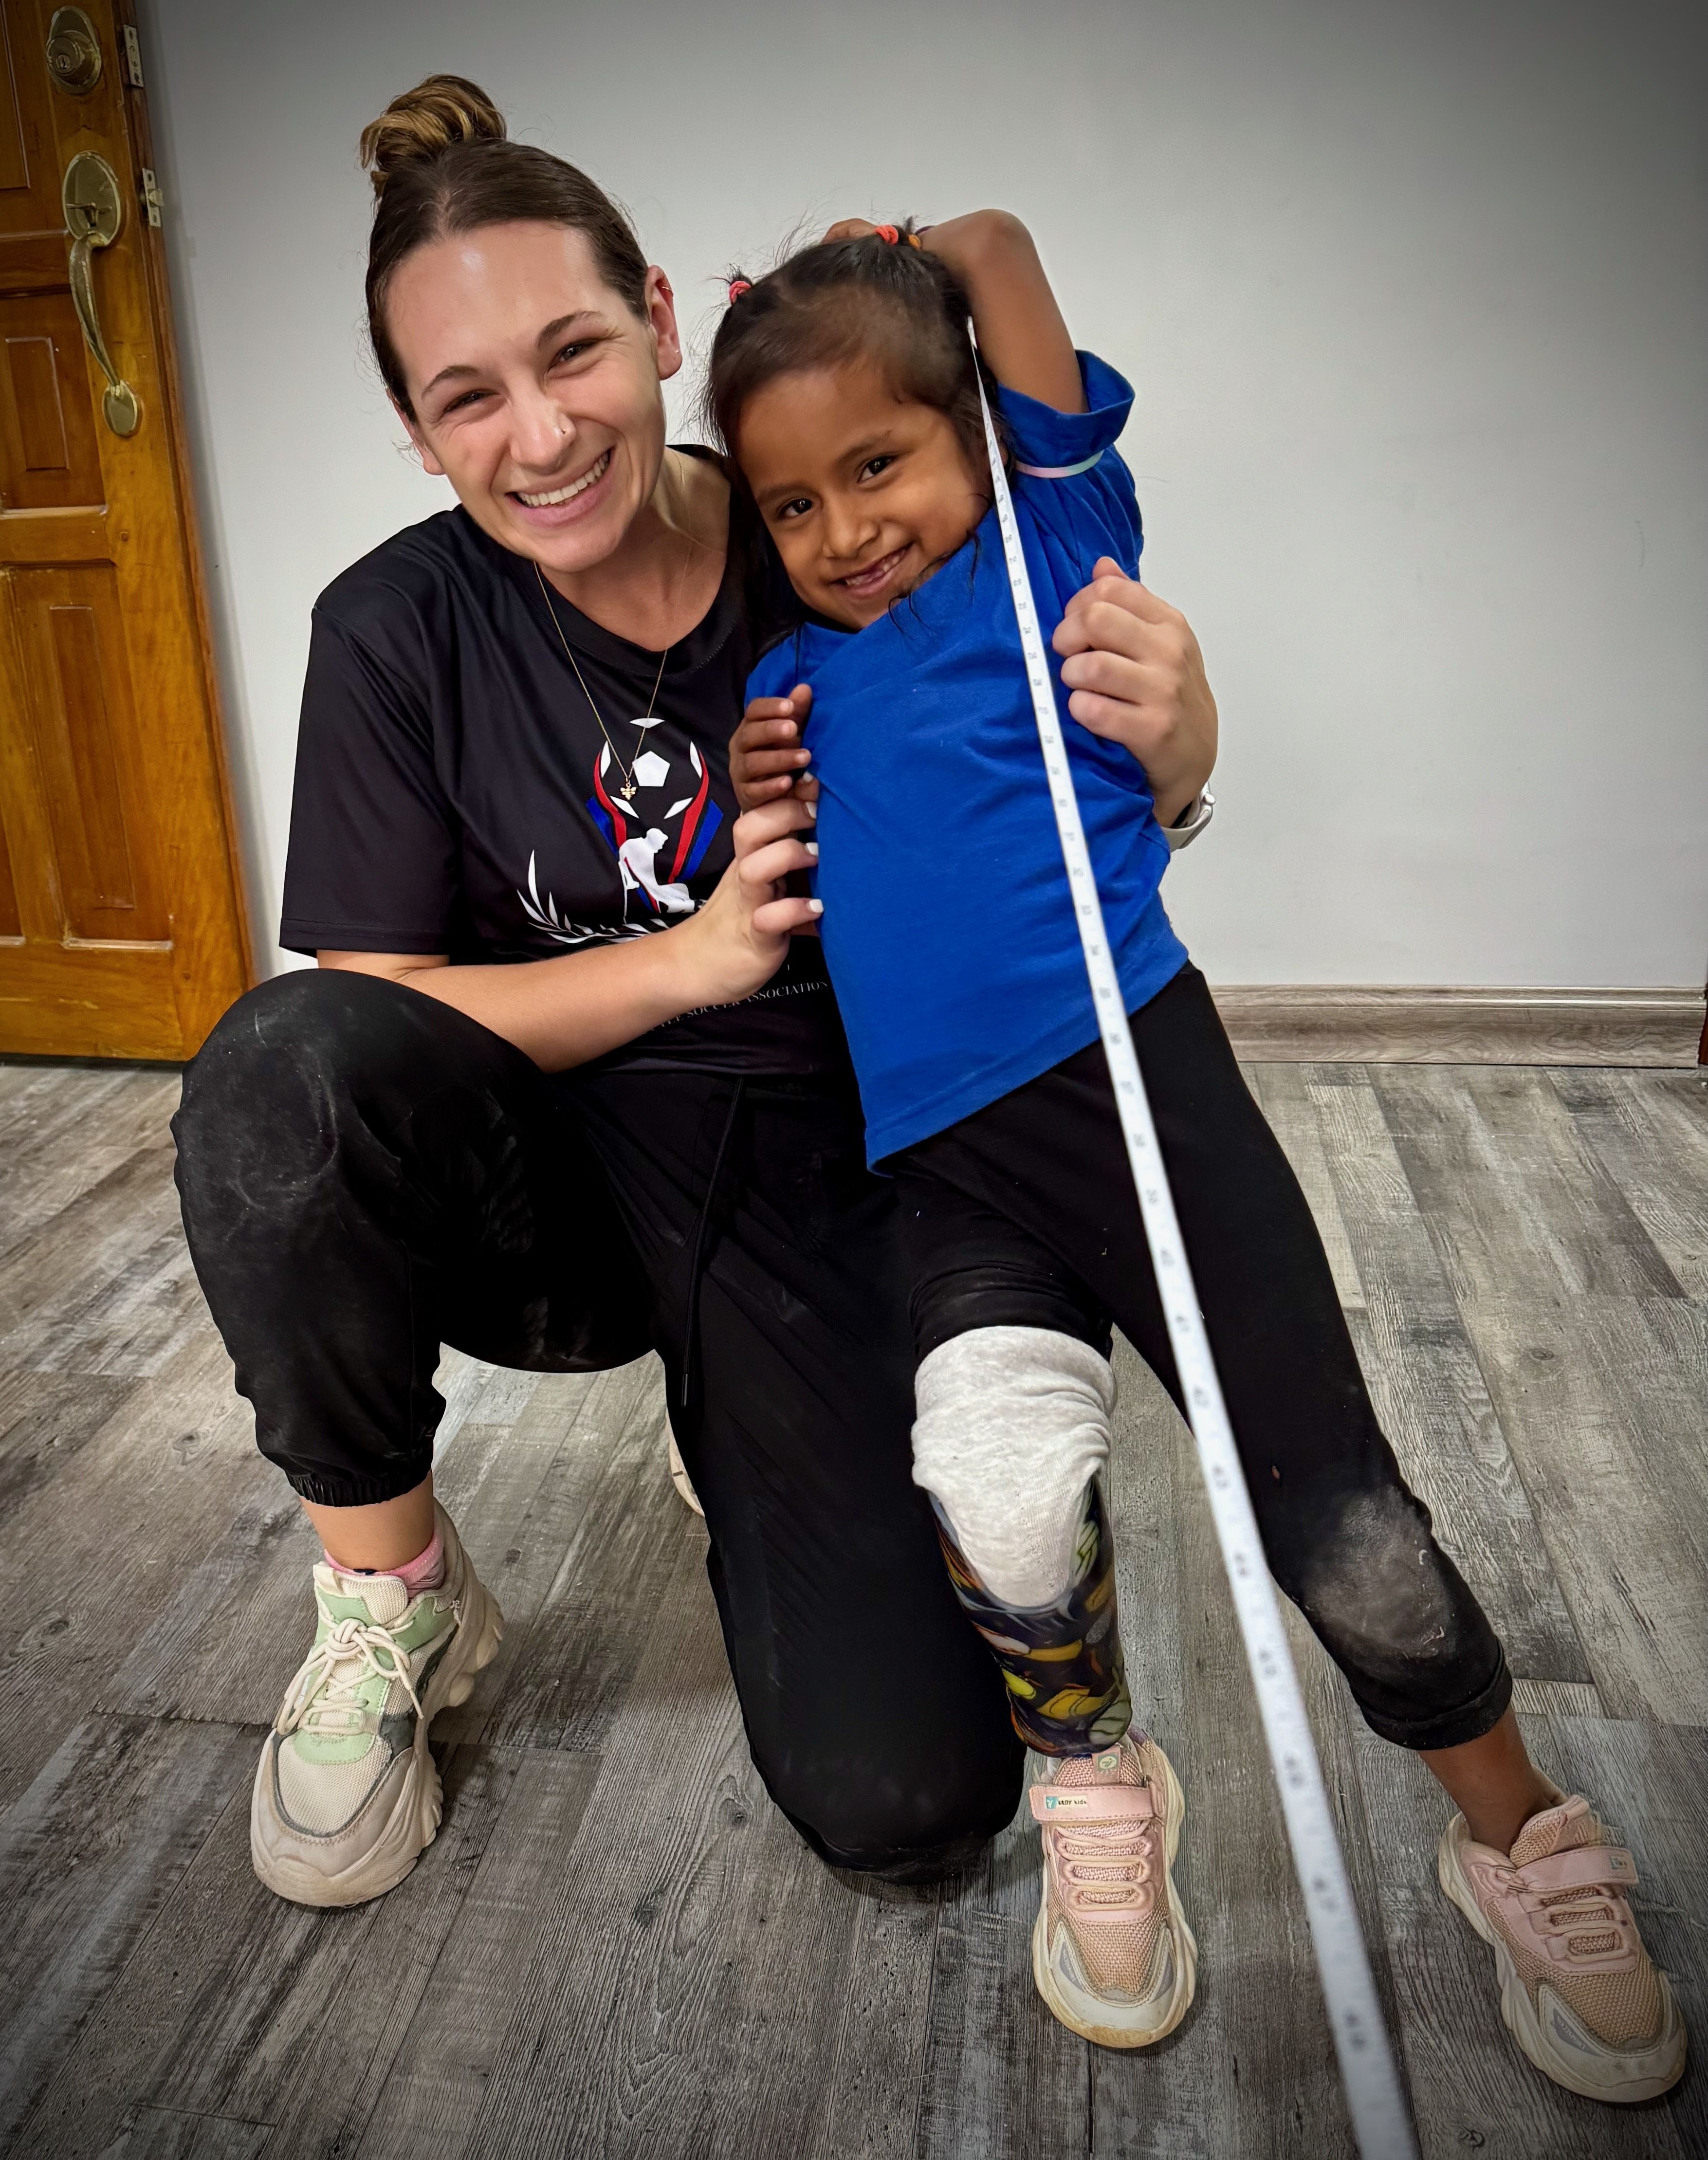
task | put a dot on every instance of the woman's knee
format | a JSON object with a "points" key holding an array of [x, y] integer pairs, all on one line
{"points": [[915, 1826], [306, 1030]]}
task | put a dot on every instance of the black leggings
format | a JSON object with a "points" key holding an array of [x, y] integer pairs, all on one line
{"points": [[366, 1173], [1024, 1215]]}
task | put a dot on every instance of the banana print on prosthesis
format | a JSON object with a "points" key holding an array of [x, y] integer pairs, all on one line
{"points": [[1067, 1679]]}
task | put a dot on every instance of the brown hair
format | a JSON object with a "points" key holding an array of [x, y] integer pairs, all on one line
{"points": [[442, 163], [844, 300]]}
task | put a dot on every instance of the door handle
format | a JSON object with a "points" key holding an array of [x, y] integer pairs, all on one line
{"points": [[94, 211]]}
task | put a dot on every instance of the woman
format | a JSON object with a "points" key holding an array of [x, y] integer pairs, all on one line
{"points": [[561, 1089]]}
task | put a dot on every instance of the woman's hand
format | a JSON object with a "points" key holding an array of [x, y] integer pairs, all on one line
{"points": [[766, 761], [1136, 677], [737, 940]]}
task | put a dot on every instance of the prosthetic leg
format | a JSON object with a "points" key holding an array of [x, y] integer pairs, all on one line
{"points": [[1011, 1437]]}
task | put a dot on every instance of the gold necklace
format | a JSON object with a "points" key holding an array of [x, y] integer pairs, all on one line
{"points": [[627, 790]]}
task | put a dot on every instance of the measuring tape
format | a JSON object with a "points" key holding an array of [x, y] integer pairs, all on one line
{"points": [[1380, 2122]]}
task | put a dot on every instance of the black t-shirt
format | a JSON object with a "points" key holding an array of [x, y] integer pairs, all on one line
{"points": [[455, 793]]}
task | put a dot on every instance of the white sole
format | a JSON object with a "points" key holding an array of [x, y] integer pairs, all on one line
{"points": [[1077, 2016], [413, 1821], [1519, 2017]]}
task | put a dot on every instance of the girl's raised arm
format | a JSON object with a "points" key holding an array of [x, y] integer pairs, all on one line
{"points": [[1024, 341]]}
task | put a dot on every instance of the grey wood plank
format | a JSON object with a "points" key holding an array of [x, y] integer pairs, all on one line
{"points": [[385, 2056], [731, 1939], [427, 2100], [1602, 1401], [1556, 1699], [89, 1856], [1650, 1131], [161, 2133], [1429, 1391], [875, 2061], [46, 1418], [104, 1285], [1516, 1205], [521, 1499], [1003, 2080], [1284, 1094], [628, 1536], [1471, 2089], [79, 1582], [81, 1136], [47, 1108], [238, 2005]]}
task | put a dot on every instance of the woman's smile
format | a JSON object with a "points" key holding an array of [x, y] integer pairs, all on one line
{"points": [[576, 499]]}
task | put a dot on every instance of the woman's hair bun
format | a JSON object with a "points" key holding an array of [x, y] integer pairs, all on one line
{"points": [[444, 110]]}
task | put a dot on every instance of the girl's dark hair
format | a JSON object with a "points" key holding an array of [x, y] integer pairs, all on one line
{"points": [[844, 300], [442, 163]]}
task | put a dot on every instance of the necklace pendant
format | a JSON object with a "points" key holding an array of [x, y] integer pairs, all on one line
{"points": [[627, 792]]}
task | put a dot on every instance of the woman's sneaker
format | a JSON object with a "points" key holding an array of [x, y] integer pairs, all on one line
{"points": [[1579, 1992], [347, 1794], [1111, 1953], [678, 1473]]}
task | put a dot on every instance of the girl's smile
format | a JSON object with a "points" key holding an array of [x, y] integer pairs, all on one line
{"points": [[863, 493]]}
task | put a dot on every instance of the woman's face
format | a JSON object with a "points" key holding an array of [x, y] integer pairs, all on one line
{"points": [[535, 388]]}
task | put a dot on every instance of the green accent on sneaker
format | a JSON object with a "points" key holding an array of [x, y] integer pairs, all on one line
{"points": [[342, 1718]]}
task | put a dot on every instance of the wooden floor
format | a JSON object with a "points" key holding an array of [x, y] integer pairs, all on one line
{"points": [[617, 1946]]}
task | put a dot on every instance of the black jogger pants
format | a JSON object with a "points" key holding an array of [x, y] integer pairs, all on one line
{"points": [[366, 1173], [1024, 1215]]}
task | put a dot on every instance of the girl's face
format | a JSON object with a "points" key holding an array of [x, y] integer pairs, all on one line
{"points": [[864, 494], [535, 388]]}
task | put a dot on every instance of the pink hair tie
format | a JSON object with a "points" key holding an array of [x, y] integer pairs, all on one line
{"points": [[892, 233], [738, 286]]}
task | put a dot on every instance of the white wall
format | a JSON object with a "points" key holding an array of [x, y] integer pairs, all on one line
{"points": [[1414, 293]]}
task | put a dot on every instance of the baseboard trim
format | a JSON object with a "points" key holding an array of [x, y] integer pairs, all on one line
{"points": [[1300, 1023]]}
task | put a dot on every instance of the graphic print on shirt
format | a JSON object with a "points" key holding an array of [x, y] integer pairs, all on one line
{"points": [[659, 825]]}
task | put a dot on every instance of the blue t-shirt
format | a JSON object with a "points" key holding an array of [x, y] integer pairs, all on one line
{"points": [[948, 928]]}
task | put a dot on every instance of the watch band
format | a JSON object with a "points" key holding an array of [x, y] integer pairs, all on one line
{"points": [[1191, 822]]}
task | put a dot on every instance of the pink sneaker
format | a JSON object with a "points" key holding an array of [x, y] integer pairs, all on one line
{"points": [[1111, 1953], [1578, 1991]]}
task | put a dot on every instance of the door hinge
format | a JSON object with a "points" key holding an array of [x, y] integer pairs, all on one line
{"points": [[154, 202], [133, 62]]}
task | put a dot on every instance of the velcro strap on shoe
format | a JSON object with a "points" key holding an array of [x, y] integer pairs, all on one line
{"points": [[1581, 1868], [1089, 1803]]}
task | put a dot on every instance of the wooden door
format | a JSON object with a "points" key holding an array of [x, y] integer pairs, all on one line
{"points": [[122, 925]]}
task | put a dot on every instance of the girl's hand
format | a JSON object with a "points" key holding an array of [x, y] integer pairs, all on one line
{"points": [[737, 940], [1021, 334], [766, 761], [1137, 677]]}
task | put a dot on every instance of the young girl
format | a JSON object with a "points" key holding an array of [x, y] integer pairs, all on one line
{"points": [[846, 392]]}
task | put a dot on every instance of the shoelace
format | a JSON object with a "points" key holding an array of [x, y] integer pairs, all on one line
{"points": [[353, 1652], [1122, 1879]]}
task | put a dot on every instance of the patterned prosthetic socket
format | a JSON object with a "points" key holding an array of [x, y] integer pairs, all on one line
{"points": [[1011, 1433], [1062, 1662]]}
